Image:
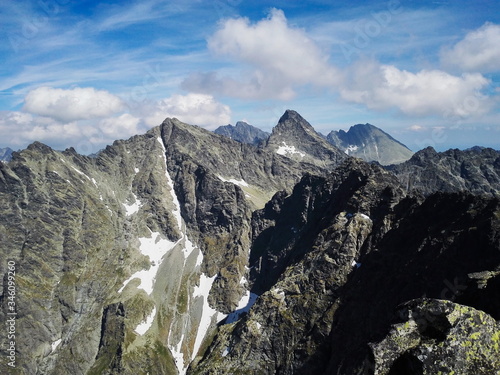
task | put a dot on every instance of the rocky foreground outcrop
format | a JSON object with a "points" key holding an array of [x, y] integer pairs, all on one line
{"points": [[361, 247]]}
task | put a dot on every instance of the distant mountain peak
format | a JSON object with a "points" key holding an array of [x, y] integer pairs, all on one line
{"points": [[243, 132], [370, 143], [6, 154], [293, 120]]}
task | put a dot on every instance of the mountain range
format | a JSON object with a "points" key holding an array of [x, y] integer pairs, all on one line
{"points": [[243, 132], [181, 251], [363, 141]]}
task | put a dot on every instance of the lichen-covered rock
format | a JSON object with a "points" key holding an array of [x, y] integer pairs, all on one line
{"points": [[439, 337]]}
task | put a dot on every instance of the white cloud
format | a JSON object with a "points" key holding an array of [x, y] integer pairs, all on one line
{"points": [[279, 57], [416, 128], [18, 129], [122, 126], [428, 92], [479, 51], [72, 104], [197, 109]]}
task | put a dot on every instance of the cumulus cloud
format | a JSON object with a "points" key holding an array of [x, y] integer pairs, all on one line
{"points": [[479, 51], [18, 129], [89, 134], [197, 109], [72, 104], [122, 126], [278, 56], [428, 92]]}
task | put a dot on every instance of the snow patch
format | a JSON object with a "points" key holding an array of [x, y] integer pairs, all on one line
{"points": [[155, 248], [285, 149], [279, 292], [246, 302], [243, 280], [55, 344], [234, 181], [178, 356], [134, 207], [225, 352], [366, 217], [189, 248], [143, 327], [351, 148], [355, 264], [207, 313], [136, 170], [177, 209], [81, 173]]}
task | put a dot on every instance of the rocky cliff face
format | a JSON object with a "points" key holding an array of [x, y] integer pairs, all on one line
{"points": [[370, 143], [137, 252], [182, 251], [296, 139], [243, 132], [361, 247], [475, 170]]}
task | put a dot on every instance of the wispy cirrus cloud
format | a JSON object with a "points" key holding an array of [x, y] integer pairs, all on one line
{"points": [[119, 16]]}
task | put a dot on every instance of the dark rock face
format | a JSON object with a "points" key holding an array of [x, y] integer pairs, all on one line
{"points": [[370, 143], [243, 132], [361, 247], [474, 170], [128, 262]]}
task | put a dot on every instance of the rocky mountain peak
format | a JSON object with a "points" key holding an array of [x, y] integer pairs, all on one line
{"points": [[6, 154], [295, 138], [243, 132], [292, 121], [370, 143]]}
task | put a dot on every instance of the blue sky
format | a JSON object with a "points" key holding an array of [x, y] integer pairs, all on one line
{"points": [[83, 73]]}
